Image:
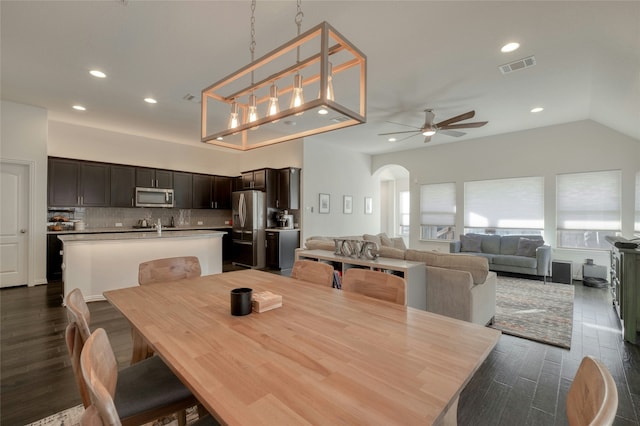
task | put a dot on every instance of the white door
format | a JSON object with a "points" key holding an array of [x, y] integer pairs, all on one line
{"points": [[14, 208]]}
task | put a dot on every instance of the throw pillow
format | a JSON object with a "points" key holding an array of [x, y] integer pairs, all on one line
{"points": [[385, 240], [470, 244], [398, 242], [374, 238], [527, 247]]}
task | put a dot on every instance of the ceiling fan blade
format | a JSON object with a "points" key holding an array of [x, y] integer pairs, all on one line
{"points": [[465, 116], [397, 133], [405, 125], [464, 125], [453, 133], [406, 137]]}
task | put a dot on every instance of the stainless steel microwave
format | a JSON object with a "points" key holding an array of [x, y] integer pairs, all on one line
{"points": [[154, 197]]}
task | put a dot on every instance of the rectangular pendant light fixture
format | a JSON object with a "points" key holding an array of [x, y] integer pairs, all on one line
{"points": [[312, 84]]}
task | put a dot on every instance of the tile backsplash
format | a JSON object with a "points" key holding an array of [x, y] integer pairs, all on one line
{"points": [[104, 217]]}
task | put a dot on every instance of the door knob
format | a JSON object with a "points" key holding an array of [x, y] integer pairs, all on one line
{"points": [[23, 231]]}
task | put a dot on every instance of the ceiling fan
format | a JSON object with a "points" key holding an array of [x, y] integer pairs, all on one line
{"points": [[446, 127]]}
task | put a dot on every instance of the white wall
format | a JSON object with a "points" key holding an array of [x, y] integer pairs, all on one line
{"points": [[87, 143], [332, 170], [548, 151], [23, 140]]}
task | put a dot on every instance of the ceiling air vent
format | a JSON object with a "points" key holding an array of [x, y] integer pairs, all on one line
{"points": [[191, 98], [520, 64]]}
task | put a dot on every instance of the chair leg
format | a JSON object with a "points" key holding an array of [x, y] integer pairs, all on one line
{"points": [[182, 418]]}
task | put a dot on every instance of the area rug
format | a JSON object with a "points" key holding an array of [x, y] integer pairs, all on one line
{"points": [[71, 417], [535, 310]]}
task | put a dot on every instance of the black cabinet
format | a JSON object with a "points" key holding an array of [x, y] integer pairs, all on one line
{"points": [[288, 194], [201, 191], [221, 192], [280, 249], [54, 258], [227, 247], [182, 190], [154, 178], [123, 182], [258, 179], [78, 183]]}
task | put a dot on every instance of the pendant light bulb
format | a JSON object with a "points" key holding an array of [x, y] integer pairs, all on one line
{"points": [[330, 95], [253, 109], [233, 117], [297, 99], [274, 107]]}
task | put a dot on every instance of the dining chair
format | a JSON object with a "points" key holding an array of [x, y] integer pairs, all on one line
{"points": [[162, 393], [376, 284], [158, 271], [312, 271], [592, 397], [168, 269]]}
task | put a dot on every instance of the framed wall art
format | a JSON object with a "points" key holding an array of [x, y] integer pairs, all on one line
{"points": [[368, 205], [324, 203], [347, 204]]}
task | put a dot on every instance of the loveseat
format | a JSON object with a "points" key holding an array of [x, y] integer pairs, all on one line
{"points": [[522, 254], [458, 285]]}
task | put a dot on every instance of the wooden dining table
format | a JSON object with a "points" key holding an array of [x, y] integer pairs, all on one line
{"points": [[326, 356]]}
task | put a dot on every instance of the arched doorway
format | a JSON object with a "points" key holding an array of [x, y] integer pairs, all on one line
{"points": [[394, 201]]}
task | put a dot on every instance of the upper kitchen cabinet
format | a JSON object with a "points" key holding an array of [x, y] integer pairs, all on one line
{"points": [[154, 178], [202, 185], [288, 189], [183, 190], [221, 195], [78, 183], [258, 179], [123, 182]]}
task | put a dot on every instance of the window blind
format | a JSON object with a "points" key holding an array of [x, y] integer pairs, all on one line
{"points": [[589, 201], [438, 204], [505, 203]]}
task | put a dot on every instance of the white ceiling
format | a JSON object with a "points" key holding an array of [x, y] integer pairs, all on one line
{"points": [[421, 54]]}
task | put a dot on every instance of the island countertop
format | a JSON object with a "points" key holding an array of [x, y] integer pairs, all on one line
{"points": [[96, 263], [149, 234]]}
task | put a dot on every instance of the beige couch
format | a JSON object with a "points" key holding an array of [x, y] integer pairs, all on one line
{"points": [[458, 285]]}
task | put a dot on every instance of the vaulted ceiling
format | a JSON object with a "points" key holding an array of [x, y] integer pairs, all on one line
{"points": [[421, 54]]}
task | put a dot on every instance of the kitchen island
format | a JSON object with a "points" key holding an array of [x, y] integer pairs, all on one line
{"points": [[95, 263]]}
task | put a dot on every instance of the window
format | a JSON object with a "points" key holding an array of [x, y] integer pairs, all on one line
{"points": [[588, 209], [504, 206], [438, 211], [404, 212]]}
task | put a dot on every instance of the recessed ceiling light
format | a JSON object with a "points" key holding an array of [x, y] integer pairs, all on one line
{"points": [[323, 111], [537, 109], [79, 108], [392, 139], [97, 73], [150, 101], [510, 47]]}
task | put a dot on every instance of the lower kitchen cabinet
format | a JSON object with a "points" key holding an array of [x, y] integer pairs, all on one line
{"points": [[281, 248], [54, 258]]}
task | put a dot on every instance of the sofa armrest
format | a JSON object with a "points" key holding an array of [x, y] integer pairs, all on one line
{"points": [[449, 292], [543, 260], [454, 247]]}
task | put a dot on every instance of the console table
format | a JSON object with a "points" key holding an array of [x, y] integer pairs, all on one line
{"points": [[414, 273]]}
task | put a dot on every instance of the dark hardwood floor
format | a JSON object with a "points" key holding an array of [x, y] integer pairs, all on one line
{"points": [[521, 383]]}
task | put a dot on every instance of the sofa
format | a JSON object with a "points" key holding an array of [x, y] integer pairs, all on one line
{"points": [[522, 254], [459, 286]]}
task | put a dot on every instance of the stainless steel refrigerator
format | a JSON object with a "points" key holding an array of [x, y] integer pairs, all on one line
{"points": [[249, 220]]}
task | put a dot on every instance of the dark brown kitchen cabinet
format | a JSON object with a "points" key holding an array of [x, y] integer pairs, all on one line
{"points": [[258, 179], [78, 183], [123, 182], [183, 190], [54, 258], [221, 196], [281, 248], [201, 191], [154, 178], [288, 195]]}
